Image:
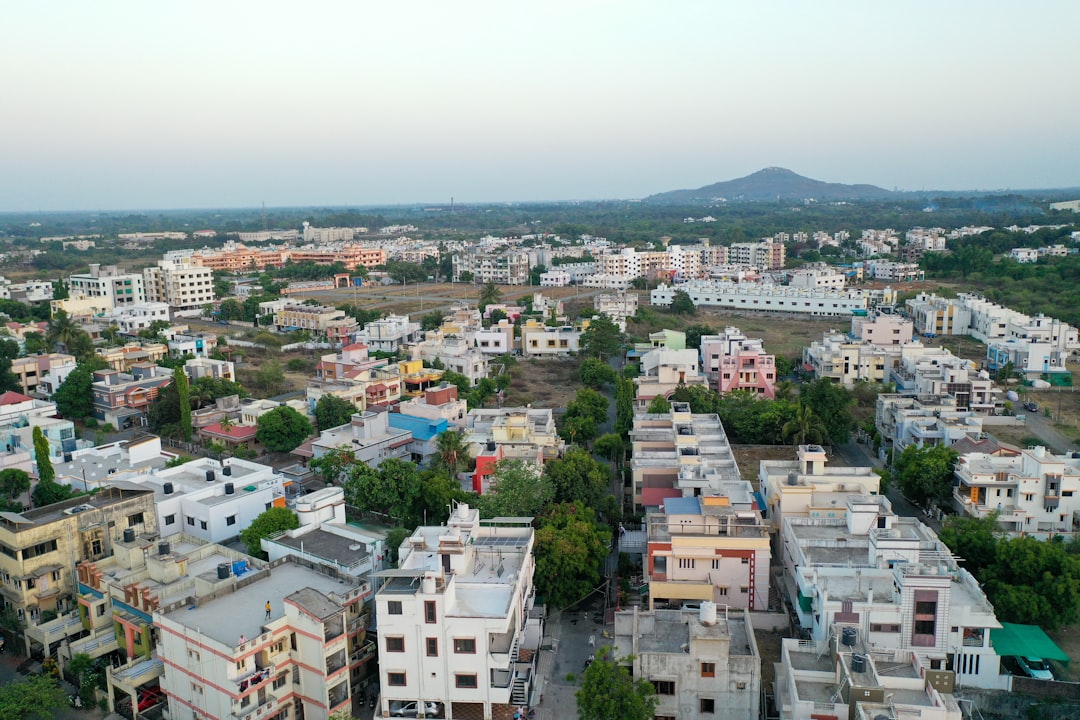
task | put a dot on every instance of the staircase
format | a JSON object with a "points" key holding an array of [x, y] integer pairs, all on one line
{"points": [[519, 691]]}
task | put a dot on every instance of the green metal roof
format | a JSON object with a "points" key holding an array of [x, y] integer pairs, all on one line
{"points": [[1026, 641]]}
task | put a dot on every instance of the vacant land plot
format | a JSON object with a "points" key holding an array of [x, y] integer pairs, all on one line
{"points": [[543, 383], [749, 457]]}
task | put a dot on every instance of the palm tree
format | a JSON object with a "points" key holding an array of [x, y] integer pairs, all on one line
{"points": [[804, 426], [784, 390], [450, 451], [62, 329], [227, 424], [490, 294]]}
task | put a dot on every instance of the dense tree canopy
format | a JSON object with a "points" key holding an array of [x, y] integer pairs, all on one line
{"points": [[518, 489], [832, 403], [570, 548], [924, 474], [38, 696], [609, 692], [266, 524], [596, 373], [74, 398], [332, 411], [282, 429], [601, 339]]}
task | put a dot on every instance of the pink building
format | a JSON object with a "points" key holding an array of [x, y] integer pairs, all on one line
{"points": [[745, 366]]}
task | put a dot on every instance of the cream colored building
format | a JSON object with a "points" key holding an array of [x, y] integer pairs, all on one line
{"points": [[184, 285]]}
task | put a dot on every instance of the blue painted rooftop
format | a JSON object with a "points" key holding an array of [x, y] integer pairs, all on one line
{"points": [[421, 428], [682, 506]]}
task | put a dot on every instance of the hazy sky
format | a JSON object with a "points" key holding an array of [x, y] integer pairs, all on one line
{"points": [[138, 104]]}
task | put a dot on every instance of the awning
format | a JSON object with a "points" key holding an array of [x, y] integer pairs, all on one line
{"points": [[1025, 641]]}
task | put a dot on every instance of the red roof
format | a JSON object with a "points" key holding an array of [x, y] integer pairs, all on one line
{"points": [[652, 497], [236, 432], [355, 346], [376, 387], [13, 398]]}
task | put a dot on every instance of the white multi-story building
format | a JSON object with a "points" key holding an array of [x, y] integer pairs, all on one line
{"points": [[554, 278], [455, 623], [510, 267], [775, 298], [1024, 255], [1033, 360], [1031, 492], [839, 358], [817, 278], [619, 307], [663, 371], [130, 319], [882, 329], [389, 334], [284, 643], [936, 371], [934, 316], [702, 663], [183, 285], [541, 341], [766, 254], [891, 271], [455, 352], [113, 287], [903, 419], [368, 436]]}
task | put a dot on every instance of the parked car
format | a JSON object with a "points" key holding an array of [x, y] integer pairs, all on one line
{"points": [[148, 698], [1035, 667], [1031, 407], [409, 710]]}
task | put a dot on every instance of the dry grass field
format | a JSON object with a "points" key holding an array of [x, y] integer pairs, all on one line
{"points": [[543, 383]]}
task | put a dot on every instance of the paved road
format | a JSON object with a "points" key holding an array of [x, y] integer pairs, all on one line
{"points": [[1043, 428]]}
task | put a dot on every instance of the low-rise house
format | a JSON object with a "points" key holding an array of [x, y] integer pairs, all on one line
{"points": [[200, 345], [538, 340], [130, 319], [390, 334], [123, 358], [903, 419], [122, 399], [32, 369], [201, 367], [437, 403], [521, 433], [424, 433], [702, 663], [368, 436], [663, 371], [454, 352], [619, 307], [328, 323]]}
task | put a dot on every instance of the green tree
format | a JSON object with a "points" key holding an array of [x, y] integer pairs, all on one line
{"points": [[804, 427], [694, 334], [60, 290], [392, 489], [579, 477], [14, 482], [975, 540], [270, 377], [659, 405], [601, 339], [518, 489], [42, 458], [578, 429], [681, 304], [183, 400], [332, 411], [282, 429], [832, 403], [451, 452], [596, 373], [34, 342], [611, 446], [490, 294], [925, 474], [624, 406], [38, 696], [609, 692], [266, 524], [431, 321], [74, 398], [395, 536], [334, 466], [50, 492], [569, 548], [535, 272]]}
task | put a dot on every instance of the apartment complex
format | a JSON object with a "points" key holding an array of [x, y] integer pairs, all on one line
{"points": [[182, 284], [739, 363], [109, 286], [321, 321], [456, 621], [905, 419], [510, 267], [776, 298]]}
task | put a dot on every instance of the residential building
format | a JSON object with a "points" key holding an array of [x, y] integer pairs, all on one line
{"points": [[936, 371], [509, 267], [1032, 360], [301, 658], [31, 369], [495, 340], [775, 298], [905, 419], [678, 454], [130, 319], [122, 399], [702, 663], [882, 329], [766, 254], [538, 340], [662, 371], [894, 580], [817, 277], [437, 403], [181, 342], [745, 365], [809, 487], [41, 546], [933, 316], [321, 321], [352, 255], [709, 547], [237, 257], [390, 334], [108, 286], [184, 285], [123, 358], [368, 436], [839, 358], [456, 620], [520, 433], [424, 434], [1024, 255], [554, 278], [1030, 492], [619, 307], [454, 352], [201, 367], [899, 272]]}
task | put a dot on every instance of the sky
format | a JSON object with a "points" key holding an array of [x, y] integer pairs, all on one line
{"points": [[129, 104]]}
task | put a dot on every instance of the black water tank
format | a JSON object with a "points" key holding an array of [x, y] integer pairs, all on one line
{"points": [[849, 636], [163, 548], [222, 571], [858, 663], [210, 477], [229, 489], [167, 488], [227, 470], [129, 535]]}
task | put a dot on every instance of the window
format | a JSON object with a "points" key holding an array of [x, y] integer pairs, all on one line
{"points": [[707, 706], [191, 521], [664, 687], [722, 591], [231, 520], [745, 561], [745, 590], [170, 519], [708, 669], [464, 681], [135, 519], [715, 564], [429, 611], [397, 679], [279, 681], [393, 607], [395, 644], [433, 647], [202, 524], [465, 645], [686, 563]]}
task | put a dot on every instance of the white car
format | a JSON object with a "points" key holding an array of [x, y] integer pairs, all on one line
{"points": [[1035, 667], [409, 710]]}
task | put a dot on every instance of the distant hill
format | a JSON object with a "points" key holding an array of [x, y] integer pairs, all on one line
{"points": [[768, 185]]}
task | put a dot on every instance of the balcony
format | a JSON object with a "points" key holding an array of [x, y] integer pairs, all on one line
{"points": [[364, 652]]}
